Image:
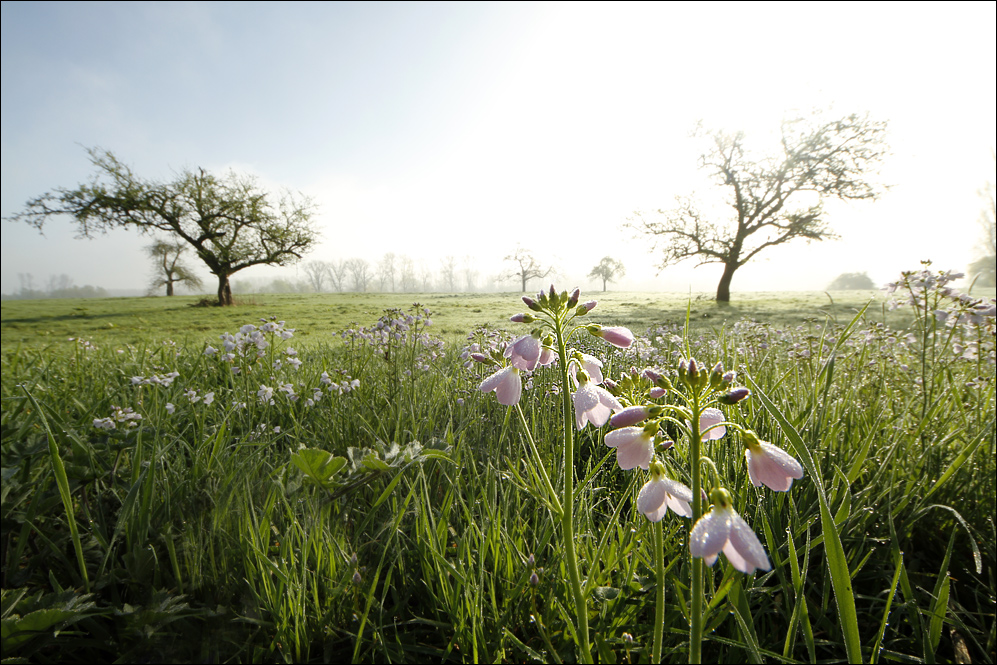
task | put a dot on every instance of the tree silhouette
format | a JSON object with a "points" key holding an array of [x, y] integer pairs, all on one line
{"points": [[526, 267], [170, 270], [773, 199], [230, 221], [608, 270]]}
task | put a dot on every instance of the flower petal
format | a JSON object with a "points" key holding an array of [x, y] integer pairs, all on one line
{"points": [[651, 500], [711, 418], [637, 452], [743, 540], [710, 534]]}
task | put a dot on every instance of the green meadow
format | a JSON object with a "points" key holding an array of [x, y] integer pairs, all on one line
{"points": [[138, 321], [346, 492]]}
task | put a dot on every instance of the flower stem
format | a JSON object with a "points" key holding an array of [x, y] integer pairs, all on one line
{"points": [[659, 572], [696, 611], [567, 504]]}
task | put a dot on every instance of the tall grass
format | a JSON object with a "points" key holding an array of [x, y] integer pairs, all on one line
{"points": [[394, 519]]}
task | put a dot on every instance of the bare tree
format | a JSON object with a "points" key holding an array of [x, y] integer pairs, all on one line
{"points": [[526, 267], [337, 274], [406, 268], [387, 269], [448, 274], [359, 271], [773, 199], [316, 272], [470, 274], [425, 276], [230, 221], [170, 270], [608, 270]]}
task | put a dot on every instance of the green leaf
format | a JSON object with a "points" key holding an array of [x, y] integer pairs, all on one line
{"points": [[319, 466], [837, 563]]}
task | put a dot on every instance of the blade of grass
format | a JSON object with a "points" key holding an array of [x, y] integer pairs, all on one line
{"points": [[836, 561]]}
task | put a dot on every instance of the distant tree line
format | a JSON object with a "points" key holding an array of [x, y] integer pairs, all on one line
{"points": [[57, 286]]}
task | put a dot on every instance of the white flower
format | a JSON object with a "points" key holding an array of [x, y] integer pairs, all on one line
{"points": [[593, 404], [591, 365], [770, 465], [506, 384], [660, 493], [634, 447], [170, 408], [722, 529], [709, 424], [524, 352]]}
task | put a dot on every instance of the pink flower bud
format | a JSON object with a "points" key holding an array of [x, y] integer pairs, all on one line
{"points": [[616, 335], [629, 416], [573, 299], [734, 396]]}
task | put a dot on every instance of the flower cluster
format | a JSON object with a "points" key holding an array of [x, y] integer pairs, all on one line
{"points": [[125, 416], [553, 312], [638, 434], [400, 336], [164, 380]]}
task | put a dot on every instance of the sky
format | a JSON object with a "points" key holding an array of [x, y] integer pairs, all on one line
{"points": [[466, 130]]}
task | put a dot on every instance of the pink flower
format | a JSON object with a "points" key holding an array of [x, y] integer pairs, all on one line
{"points": [[547, 356], [661, 493], [506, 384], [593, 404], [722, 529], [591, 365], [634, 447], [770, 465], [616, 335], [524, 352], [709, 424]]}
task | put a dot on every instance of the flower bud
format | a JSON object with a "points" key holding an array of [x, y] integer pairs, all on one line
{"points": [[657, 392], [522, 318], [532, 304], [717, 375], [534, 580], [728, 377], [481, 358], [692, 378], [531, 562], [734, 396], [683, 370], [629, 416], [357, 580], [573, 299]]}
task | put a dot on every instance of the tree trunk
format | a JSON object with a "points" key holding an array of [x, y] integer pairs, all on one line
{"points": [[723, 289], [603, 284], [523, 277], [224, 291], [169, 287]]}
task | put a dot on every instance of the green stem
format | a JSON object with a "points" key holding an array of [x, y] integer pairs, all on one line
{"points": [[659, 572], [567, 504], [696, 612]]}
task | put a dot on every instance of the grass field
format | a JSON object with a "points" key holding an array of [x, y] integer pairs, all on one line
{"points": [[138, 321], [348, 492]]}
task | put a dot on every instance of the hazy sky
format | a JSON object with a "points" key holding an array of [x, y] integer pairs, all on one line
{"points": [[466, 129]]}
